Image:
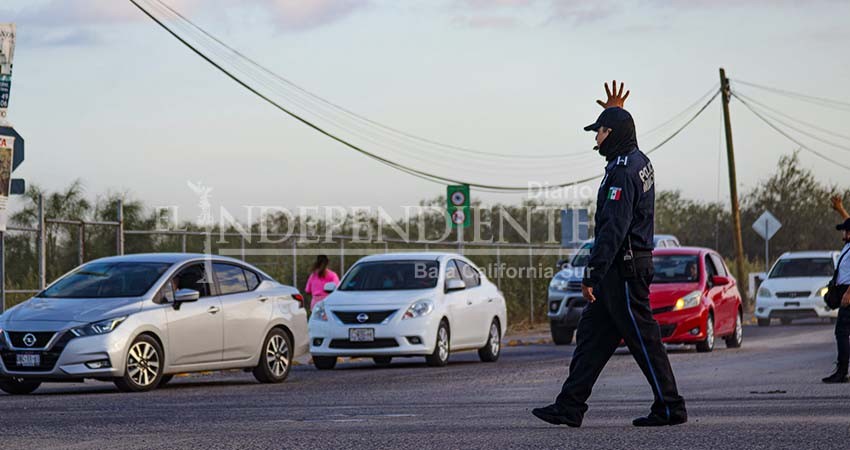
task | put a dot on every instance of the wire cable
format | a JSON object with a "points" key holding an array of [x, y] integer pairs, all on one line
{"points": [[788, 136], [803, 132], [409, 170], [790, 117], [829, 103]]}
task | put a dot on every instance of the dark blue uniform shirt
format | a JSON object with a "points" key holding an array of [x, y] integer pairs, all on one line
{"points": [[625, 208]]}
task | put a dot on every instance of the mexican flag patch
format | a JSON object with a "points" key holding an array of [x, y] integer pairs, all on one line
{"points": [[614, 193]]}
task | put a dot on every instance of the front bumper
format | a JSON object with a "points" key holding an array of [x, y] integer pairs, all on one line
{"points": [[565, 308], [330, 338], [796, 308], [66, 357], [686, 326]]}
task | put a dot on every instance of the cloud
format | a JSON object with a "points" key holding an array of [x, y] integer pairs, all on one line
{"points": [[478, 13], [58, 38], [487, 21], [71, 22], [294, 15]]}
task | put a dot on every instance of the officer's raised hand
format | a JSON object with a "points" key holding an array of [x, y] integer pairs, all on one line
{"points": [[615, 97]]}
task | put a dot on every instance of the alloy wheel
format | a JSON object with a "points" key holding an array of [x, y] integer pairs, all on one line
{"points": [[443, 343], [495, 339], [277, 355], [709, 332], [143, 363]]}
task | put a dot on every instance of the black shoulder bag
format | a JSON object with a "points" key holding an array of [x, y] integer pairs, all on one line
{"points": [[834, 292]]}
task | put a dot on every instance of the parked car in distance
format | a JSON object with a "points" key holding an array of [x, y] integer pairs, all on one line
{"points": [[695, 299], [665, 241], [409, 304], [795, 286], [139, 319], [565, 302]]}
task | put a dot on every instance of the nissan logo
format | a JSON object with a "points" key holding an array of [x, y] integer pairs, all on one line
{"points": [[362, 317], [29, 339]]}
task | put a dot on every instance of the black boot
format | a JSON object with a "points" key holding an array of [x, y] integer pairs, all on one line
{"points": [[839, 376], [555, 415], [655, 420]]}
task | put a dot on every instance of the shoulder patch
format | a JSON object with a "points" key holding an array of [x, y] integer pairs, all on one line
{"points": [[622, 161], [614, 193]]}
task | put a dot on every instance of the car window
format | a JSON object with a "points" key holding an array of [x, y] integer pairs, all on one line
{"points": [[582, 255], [107, 280], [718, 265], [391, 275], [675, 268], [470, 276], [231, 279], [452, 271], [803, 267], [710, 270], [252, 279], [194, 277]]}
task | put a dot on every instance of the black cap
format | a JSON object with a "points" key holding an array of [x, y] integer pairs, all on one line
{"points": [[843, 226], [609, 118]]}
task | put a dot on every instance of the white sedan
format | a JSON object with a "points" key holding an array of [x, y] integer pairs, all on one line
{"points": [[409, 304]]}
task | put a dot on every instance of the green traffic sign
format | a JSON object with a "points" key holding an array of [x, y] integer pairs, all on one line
{"points": [[457, 206]]}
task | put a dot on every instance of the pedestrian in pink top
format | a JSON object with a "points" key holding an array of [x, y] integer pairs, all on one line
{"points": [[320, 276]]}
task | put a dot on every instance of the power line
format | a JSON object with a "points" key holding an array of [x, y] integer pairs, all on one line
{"points": [[829, 103], [803, 132], [347, 111], [788, 136], [368, 133], [352, 114], [409, 170], [790, 117]]}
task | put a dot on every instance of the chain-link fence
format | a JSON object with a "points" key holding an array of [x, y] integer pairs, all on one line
{"points": [[522, 271]]}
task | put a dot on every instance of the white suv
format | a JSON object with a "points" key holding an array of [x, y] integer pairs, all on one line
{"points": [[795, 286]]}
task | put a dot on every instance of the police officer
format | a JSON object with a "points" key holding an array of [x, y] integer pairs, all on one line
{"points": [[617, 278], [842, 325]]}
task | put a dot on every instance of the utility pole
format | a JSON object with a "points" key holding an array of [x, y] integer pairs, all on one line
{"points": [[733, 180]]}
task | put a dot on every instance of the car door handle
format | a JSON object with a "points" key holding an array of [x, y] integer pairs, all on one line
{"points": [[469, 302], [491, 300], [262, 298], [213, 309]]}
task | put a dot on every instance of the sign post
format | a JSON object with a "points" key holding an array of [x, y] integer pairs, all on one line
{"points": [[11, 146], [457, 209], [575, 226], [766, 226]]}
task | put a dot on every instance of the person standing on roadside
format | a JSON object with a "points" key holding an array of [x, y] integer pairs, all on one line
{"points": [[320, 275], [842, 325], [617, 278]]}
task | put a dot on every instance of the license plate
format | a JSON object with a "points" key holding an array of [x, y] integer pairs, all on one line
{"points": [[28, 359], [361, 334]]}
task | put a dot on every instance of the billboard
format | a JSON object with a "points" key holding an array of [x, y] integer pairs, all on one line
{"points": [[7, 155], [7, 52]]}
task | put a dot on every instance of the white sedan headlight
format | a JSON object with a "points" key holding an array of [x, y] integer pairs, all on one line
{"points": [[823, 291], [419, 309], [689, 301], [764, 292], [319, 312], [97, 328]]}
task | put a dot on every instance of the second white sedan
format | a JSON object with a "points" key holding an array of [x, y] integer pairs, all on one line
{"points": [[409, 304]]}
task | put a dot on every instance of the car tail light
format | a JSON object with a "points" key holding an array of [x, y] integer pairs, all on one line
{"points": [[299, 298]]}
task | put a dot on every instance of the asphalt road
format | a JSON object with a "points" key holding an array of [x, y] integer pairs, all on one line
{"points": [[766, 395]]}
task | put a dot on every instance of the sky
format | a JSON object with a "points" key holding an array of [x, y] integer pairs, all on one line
{"points": [[103, 95]]}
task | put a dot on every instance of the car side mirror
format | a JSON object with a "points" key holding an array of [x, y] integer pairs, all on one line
{"points": [[186, 295], [330, 287], [455, 285], [718, 280], [562, 264]]}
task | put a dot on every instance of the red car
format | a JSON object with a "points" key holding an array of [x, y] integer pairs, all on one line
{"points": [[695, 299]]}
